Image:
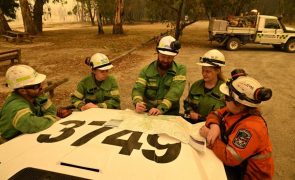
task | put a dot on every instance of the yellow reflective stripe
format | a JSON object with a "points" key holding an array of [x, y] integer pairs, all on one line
{"points": [[167, 103], [47, 104], [76, 104], [179, 78], [262, 156], [23, 78], [102, 105], [234, 153], [141, 81], [138, 97], [53, 118], [19, 114], [78, 94], [115, 93]]}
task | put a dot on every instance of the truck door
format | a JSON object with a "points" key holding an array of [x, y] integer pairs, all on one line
{"points": [[269, 31]]}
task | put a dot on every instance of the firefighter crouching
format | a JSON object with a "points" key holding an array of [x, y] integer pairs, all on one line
{"points": [[244, 146]]}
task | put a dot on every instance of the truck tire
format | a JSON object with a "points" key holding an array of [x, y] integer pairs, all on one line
{"points": [[290, 46], [233, 44]]}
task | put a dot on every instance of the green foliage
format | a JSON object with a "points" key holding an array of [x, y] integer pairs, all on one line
{"points": [[133, 10], [8, 7], [107, 9], [166, 10]]}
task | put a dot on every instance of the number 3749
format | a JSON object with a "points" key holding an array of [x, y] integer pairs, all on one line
{"points": [[172, 150]]}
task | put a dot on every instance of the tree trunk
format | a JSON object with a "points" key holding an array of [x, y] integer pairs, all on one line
{"points": [[3, 23], [27, 17], [99, 21], [178, 27], [118, 27], [38, 13], [82, 12], [88, 4]]}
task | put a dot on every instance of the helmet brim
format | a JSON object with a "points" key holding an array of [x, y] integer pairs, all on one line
{"points": [[206, 64], [39, 79], [224, 89], [106, 67], [169, 53]]}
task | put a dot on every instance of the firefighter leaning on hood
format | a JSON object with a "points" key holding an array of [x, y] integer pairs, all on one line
{"points": [[244, 147], [160, 84], [99, 89], [26, 109]]}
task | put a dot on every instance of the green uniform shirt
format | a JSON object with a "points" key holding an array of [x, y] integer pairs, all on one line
{"points": [[104, 94], [20, 116], [201, 102], [160, 92]]}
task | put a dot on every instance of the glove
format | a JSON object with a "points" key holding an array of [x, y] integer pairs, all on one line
{"points": [[63, 112]]}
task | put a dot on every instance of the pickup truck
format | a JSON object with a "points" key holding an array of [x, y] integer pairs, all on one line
{"points": [[260, 29]]}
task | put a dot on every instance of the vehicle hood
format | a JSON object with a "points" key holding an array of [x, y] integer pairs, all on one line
{"points": [[290, 30]]}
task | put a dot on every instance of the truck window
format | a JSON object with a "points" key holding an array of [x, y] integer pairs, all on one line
{"points": [[272, 24]]}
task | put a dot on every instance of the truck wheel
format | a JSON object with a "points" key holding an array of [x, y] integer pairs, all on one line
{"points": [[290, 46], [233, 44]]}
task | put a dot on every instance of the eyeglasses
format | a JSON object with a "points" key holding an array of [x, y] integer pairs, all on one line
{"points": [[35, 86], [229, 98]]}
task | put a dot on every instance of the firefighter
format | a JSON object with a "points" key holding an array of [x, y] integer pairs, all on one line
{"points": [[99, 89], [204, 95], [161, 83], [244, 145], [26, 109]]}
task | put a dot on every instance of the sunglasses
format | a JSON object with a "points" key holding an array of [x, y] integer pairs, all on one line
{"points": [[35, 86], [229, 98]]}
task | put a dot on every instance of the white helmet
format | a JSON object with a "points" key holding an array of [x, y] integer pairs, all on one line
{"points": [[246, 90], [99, 61], [168, 46], [212, 58], [19, 76], [254, 11]]}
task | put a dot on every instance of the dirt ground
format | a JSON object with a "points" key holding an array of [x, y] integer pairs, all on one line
{"points": [[61, 49]]}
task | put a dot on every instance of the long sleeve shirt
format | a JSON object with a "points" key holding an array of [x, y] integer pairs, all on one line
{"points": [[249, 141], [19, 116], [104, 94], [162, 92], [204, 102]]}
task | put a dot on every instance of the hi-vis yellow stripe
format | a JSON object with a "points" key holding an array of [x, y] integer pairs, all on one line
{"points": [[141, 81], [23, 78], [53, 118], [103, 105], [78, 94], [179, 78], [137, 97], [76, 104], [19, 114], [115, 93], [167, 103]]}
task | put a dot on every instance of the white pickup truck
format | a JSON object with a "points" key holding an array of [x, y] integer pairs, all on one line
{"points": [[259, 29]]}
